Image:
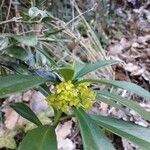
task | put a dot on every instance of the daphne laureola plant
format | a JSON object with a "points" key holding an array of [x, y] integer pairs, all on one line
{"points": [[73, 96]]}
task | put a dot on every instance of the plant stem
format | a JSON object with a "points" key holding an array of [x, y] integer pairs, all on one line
{"points": [[57, 118]]}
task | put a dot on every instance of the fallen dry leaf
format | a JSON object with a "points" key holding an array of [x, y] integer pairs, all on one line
{"points": [[7, 139], [27, 96], [66, 144], [64, 130], [13, 119], [103, 107], [126, 145], [143, 39]]}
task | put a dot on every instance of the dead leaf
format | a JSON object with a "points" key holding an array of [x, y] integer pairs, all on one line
{"points": [[134, 69], [7, 140], [142, 122], [44, 117], [143, 39], [62, 131], [66, 144], [13, 119], [38, 103], [126, 145], [103, 108], [27, 96]]}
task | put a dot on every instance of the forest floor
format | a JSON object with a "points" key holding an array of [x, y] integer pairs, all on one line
{"points": [[129, 44]]}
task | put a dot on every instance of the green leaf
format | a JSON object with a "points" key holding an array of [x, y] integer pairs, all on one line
{"points": [[128, 103], [26, 112], [47, 55], [25, 17], [44, 89], [47, 75], [92, 136], [87, 68], [67, 73], [19, 68], [17, 83], [47, 19], [134, 133], [27, 40], [40, 138], [124, 85], [108, 101], [17, 52]]}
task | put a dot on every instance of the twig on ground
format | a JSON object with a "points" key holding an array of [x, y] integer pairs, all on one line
{"points": [[10, 2]]}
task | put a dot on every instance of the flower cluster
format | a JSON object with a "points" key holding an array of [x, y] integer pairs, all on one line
{"points": [[68, 95]]}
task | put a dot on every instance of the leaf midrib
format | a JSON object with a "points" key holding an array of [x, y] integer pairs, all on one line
{"points": [[44, 136]]}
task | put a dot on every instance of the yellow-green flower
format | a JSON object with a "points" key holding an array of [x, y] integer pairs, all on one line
{"points": [[68, 95]]}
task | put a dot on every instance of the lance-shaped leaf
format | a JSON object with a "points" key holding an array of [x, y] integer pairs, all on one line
{"points": [[124, 85], [26, 112], [27, 40], [89, 67], [44, 90], [47, 75], [40, 138], [47, 55], [16, 83], [134, 133], [67, 73], [128, 103], [92, 136], [17, 52], [108, 101]]}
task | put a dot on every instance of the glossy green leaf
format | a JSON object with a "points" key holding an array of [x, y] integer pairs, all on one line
{"points": [[108, 101], [92, 136], [26, 112], [17, 52], [134, 133], [16, 83], [67, 73], [89, 67], [128, 103], [44, 89], [124, 85], [40, 138], [47, 75], [27, 40]]}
